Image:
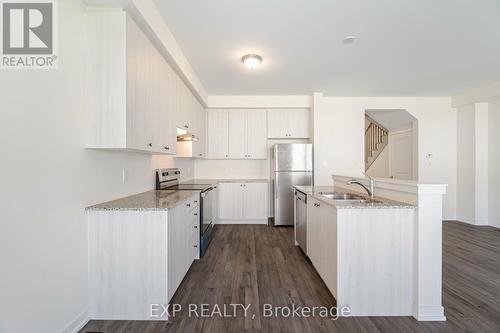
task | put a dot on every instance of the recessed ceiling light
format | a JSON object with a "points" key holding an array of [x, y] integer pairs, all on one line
{"points": [[349, 39], [252, 61]]}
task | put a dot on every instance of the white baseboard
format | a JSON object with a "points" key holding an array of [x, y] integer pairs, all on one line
{"points": [[77, 324], [264, 221], [430, 313]]}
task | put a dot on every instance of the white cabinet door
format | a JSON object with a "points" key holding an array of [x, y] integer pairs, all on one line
{"points": [[288, 123], [256, 134], [168, 106], [225, 200], [139, 111], [313, 232], [277, 124], [298, 124], [156, 82], [255, 201], [329, 247], [181, 242], [199, 128], [237, 134], [217, 123], [184, 105], [230, 201]]}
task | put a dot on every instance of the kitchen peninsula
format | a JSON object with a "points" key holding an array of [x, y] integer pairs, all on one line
{"points": [[369, 252]]}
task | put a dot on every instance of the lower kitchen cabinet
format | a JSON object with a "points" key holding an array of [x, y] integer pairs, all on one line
{"points": [[364, 254], [139, 257], [322, 241], [243, 202], [183, 239]]}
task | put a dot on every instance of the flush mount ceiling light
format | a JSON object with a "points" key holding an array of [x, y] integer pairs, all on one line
{"points": [[252, 61], [349, 39]]}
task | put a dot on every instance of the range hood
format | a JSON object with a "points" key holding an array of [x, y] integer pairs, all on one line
{"points": [[183, 135]]}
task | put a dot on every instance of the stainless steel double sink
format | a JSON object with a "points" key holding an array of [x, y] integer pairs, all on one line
{"points": [[347, 197]]}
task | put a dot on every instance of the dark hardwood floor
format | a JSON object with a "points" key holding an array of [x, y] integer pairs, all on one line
{"points": [[253, 264]]}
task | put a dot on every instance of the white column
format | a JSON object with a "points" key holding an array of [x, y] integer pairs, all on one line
{"points": [[428, 270]]}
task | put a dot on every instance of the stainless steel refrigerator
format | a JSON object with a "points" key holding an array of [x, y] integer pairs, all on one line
{"points": [[293, 165]]}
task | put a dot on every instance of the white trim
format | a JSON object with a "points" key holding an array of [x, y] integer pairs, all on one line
{"points": [[430, 313], [283, 101], [77, 324]]}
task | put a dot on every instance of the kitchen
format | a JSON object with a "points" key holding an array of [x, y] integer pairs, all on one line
{"points": [[190, 176]]}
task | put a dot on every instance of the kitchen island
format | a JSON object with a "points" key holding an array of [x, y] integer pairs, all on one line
{"points": [[363, 250], [377, 256]]}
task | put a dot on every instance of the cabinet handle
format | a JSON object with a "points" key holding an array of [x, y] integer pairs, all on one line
{"points": [[201, 154], [227, 155], [150, 144], [249, 155], [166, 148], [186, 126], [195, 214], [196, 201], [196, 246], [189, 205], [316, 205], [196, 227]]}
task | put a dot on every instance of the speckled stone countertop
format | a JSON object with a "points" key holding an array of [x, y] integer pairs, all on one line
{"points": [[316, 192], [150, 200]]}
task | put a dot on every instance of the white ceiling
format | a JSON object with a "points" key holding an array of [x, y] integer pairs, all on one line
{"points": [[404, 47], [393, 120]]}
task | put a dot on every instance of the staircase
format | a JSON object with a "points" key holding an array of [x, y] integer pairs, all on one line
{"points": [[376, 139]]}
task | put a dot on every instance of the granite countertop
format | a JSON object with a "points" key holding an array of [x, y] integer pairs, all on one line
{"points": [[221, 180], [150, 200], [379, 202]]}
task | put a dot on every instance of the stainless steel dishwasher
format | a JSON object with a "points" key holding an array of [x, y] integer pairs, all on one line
{"points": [[301, 220]]}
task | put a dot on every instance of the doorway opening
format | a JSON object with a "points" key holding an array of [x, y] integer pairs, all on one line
{"points": [[391, 144]]}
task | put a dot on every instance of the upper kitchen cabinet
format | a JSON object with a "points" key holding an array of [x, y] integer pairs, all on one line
{"points": [[218, 134], [199, 128], [237, 134], [288, 123], [136, 99], [185, 114]]}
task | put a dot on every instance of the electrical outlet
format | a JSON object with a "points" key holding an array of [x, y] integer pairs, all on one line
{"points": [[124, 175]]}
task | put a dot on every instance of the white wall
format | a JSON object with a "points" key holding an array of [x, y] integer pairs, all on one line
{"points": [[466, 190], [472, 163], [231, 169], [339, 138], [481, 158], [494, 163], [47, 179], [380, 167]]}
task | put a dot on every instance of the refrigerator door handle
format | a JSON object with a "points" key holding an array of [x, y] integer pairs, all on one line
{"points": [[276, 186]]}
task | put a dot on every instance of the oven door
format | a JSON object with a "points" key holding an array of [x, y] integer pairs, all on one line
{"points": [[208, 213], [208, 199]]}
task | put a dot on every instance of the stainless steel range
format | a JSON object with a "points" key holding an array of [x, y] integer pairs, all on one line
{"points": [[168, 179]]}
